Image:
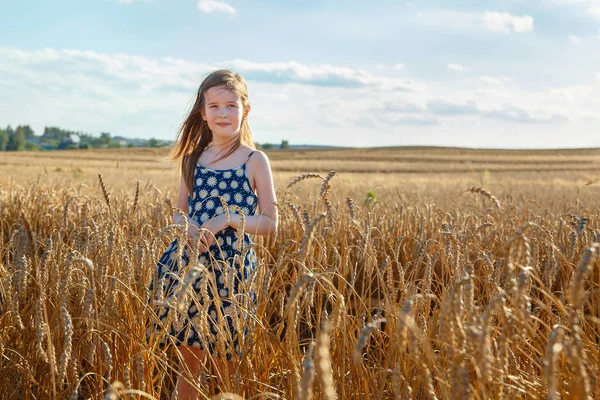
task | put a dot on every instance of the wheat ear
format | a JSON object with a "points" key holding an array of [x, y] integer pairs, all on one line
{"points": [[104, 191], [484, 193], [303, 177]]}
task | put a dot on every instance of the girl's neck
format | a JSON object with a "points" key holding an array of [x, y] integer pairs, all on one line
{"points": [[220, 147]]}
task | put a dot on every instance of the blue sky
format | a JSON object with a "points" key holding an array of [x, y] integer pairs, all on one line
{"points": [[505, 73]]}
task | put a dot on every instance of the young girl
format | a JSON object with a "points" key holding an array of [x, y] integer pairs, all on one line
{"points": [[219, 168]]}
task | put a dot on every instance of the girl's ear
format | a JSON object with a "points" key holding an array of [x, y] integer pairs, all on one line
{"points": [[247, 110]]}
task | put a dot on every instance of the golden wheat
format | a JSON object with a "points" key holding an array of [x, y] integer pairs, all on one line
{"points": [[417, 296]]}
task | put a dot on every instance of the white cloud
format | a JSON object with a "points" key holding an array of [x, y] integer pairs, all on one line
{"points": [[575, 39], [506, 23], [594, 11], [569, 1], [457, 68], [592, 6], [144, 97], [325, 75], [210, 6], [399, 67], [489, 80]]}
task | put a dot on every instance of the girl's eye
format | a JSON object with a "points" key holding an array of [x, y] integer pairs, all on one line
{"points": [[233, 105]]}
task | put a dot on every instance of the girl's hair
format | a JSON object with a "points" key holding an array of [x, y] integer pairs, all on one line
{"points": [[194, 135]]}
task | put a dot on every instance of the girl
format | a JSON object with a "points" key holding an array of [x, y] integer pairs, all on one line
{"points": [[219, 168]]}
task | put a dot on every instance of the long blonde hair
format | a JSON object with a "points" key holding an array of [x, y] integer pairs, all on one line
{"points": [[194, 135]]}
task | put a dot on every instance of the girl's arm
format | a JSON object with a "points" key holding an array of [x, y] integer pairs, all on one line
{"points": [[182, 203], [266, 220]]}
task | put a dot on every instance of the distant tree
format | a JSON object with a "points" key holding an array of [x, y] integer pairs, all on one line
{"points": [[3, 139], [97, 142], [114, 145], [130, 145], [85, 146], [105, 138], [153, 143], [29, 134], [284, 144], [16, 142], [31, 146], [257, 145], [49, 144], [267, 146]]}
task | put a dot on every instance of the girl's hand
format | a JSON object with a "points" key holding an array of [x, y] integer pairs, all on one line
{"points": [[209, 229], [192, 232]]}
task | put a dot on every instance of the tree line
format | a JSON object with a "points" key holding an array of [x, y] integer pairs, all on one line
{"points": [[23, 138]]}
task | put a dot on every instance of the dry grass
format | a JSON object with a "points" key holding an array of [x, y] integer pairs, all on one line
{"points": [[426, 292]]}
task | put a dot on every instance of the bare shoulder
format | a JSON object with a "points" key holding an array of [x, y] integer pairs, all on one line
{"points": [[260, 159], [259, 170]]}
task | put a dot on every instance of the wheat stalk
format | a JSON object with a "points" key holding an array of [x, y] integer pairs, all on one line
{"points": [[325, 186], [137, 196], [323, 361], [104, 191], [364, 336], [308, 375], [484, 193], [300, 178]]}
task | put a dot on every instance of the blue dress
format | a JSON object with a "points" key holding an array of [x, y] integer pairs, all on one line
{"points": [[197, 319]]}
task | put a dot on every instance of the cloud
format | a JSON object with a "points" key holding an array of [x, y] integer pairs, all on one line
{"points": [[457, 67], [594, 11], [399, 67], [184, 75], [400, 106], [444, 19], [210, 6], [145, 96], [325, 75], [569, 1], [592, 7], [507, 23], [489, 80], [445, 107], [575, 39], [512, 113], [516, 114]]}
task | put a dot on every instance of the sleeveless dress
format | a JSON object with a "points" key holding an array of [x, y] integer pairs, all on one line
{"points": [[200, 319]]}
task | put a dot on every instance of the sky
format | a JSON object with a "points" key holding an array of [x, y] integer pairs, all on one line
{"points": [[494, 74]]}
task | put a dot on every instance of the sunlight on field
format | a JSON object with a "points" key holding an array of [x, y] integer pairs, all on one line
{"points": [[426, 290], [389, 172]]}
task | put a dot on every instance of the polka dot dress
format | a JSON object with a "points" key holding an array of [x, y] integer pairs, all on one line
{"points": [[204, 315]]}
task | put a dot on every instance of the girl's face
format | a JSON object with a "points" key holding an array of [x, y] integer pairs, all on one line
{"points": [[223, 112]]}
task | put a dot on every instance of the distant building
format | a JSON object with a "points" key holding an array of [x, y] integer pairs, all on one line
{"points": [[69, 142], [121, 140]]}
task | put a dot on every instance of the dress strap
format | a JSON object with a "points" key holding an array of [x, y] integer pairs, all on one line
{"points": [[250, 155]]}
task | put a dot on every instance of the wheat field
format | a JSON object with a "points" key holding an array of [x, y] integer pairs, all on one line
{"points": [[417, 273]]}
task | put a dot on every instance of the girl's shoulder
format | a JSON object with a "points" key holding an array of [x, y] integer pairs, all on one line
{"points": [[257, 157]]}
